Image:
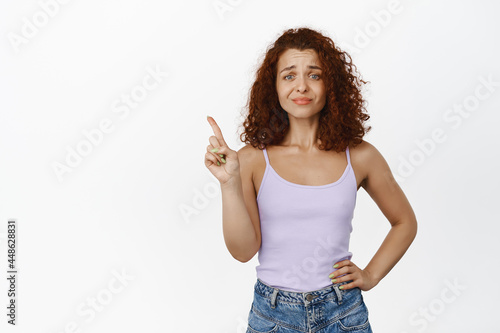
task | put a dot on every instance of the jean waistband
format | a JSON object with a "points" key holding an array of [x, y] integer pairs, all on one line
{"points": [[306, 297]]}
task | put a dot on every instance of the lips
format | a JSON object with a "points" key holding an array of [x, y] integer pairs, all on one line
{"points": [[302, 101]]}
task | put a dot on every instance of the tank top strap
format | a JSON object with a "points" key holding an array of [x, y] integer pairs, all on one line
{"points": [[265, 156], [348, 155]]}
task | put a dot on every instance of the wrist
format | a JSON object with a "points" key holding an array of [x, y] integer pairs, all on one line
{"points": [[232, 184], [373, 276]]}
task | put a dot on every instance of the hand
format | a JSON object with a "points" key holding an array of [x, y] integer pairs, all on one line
{"points": [[360, 278], [225, 167]]}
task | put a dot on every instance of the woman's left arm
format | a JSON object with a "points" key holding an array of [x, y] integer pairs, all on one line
{"points": [[380, 184], [389, 197]]}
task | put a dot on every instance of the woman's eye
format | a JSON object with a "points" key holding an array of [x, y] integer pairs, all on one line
{"points": [[292, 75]]}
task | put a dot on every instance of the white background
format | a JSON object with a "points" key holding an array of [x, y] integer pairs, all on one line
{"points": [[142, 202]]}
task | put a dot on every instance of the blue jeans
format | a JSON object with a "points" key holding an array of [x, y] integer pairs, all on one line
{"points": [[327, 310]]}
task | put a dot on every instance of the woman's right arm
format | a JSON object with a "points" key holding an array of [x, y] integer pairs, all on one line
{"points": [[240, 217]]}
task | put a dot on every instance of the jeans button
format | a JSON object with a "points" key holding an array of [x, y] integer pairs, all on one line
{"points": [[309, 297]]}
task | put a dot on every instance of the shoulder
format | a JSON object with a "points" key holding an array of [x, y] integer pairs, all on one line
{"points": [[364, 152], [247, 150], [367, 160], [248, 157], [248, 153]]}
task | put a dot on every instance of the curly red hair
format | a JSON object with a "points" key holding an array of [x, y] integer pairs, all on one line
{"points": [[341, 120]]}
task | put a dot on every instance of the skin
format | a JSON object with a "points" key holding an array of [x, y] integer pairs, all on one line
{"points": [[371, 169], [301, 81]]}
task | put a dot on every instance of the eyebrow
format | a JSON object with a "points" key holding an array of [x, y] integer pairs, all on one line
{"points": [[293, 66]]}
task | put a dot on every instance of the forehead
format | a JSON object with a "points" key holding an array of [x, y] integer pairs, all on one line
{"points": [[294, 56]]}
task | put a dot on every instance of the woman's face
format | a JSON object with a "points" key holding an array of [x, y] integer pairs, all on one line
{"points": [[300, 75]]}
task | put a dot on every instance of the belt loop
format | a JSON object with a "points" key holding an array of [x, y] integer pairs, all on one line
{"points": [[273, 298], [339, 293]]}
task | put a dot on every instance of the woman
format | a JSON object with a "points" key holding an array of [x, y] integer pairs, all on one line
{"points": [[290, 193]]}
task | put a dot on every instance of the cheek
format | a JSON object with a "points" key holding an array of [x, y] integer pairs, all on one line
{"points": [[322, 91], [282, 93]]}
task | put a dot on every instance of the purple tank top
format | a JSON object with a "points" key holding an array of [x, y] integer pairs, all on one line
{"points": [[305, 229]]}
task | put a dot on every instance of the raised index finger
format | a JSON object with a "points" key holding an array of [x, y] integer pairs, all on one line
{"points": [[216, 129]]}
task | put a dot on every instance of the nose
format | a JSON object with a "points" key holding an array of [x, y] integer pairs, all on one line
{"points": [[301, 84]]}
